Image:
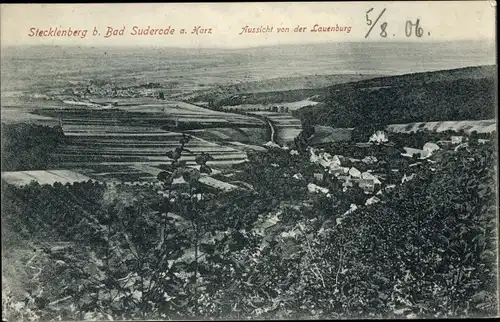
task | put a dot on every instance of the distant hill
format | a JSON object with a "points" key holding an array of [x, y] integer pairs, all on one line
{"points": [[273, 90], [474, 72], [448, 95]]}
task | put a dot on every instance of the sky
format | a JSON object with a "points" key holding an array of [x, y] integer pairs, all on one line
{"points": [[439, 20]]}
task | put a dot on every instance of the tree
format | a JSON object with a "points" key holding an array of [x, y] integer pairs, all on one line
{"points": [[302, 140], [178, 169]]}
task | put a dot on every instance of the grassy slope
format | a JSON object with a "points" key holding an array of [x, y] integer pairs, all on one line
{"points": [[457, 94]]}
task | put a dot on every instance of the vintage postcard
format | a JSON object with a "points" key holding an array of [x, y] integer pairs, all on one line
{"points": [[215, 161]]}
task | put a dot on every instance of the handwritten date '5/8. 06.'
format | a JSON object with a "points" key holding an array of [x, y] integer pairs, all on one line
{"points": [[412, 29]]}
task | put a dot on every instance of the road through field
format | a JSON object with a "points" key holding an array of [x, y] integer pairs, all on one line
{"points": [[273, 131]]}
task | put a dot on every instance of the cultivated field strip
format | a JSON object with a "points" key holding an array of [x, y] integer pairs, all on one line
{"points": [[147, 113], [131, 132], [76, 129], [162, 119], [250, 136], [326, 134], [21, 178], [292, 106], [13, 115], [481, 126], [125, 175], [185, 112], [112, 143], [120, 173], [83, 157], [287, 134], [247, 147], [122, 145], [280, 119], [148, 150], [91, 165]]}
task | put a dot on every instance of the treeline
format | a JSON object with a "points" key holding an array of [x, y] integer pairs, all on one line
{"points": [[415, 139], [29, 146], [170, 125], [460, 99], [416, 79], [275, 97], [274, 109]]}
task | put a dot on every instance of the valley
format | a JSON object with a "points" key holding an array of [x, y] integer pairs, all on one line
{"points": [[275, 182]]}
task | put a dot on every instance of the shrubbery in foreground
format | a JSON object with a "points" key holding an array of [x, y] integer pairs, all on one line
{"points": [[427, 249]]}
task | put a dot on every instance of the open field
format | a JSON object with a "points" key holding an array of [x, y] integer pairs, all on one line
{"points": [[103, 143], [133, 133], [14, 115], [160, 114], [129, 147], [28, 101], [21, 178], [326, 134], [299, 104], [91, 129], [264, 107], [244, 135], [140, 131], [131, 175], [246, 147]]}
